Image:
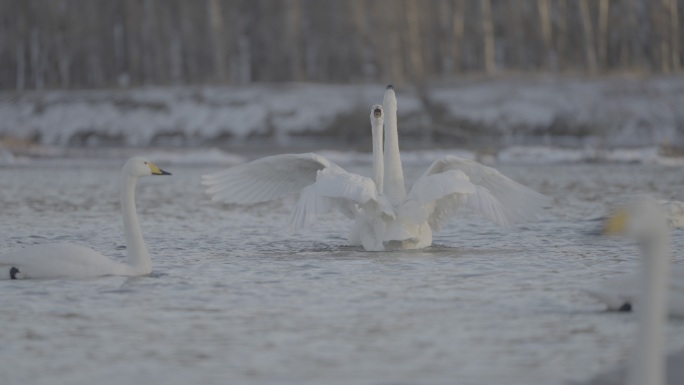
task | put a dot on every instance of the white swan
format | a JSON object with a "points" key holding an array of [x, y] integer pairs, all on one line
{"points": [[385, 216], [674, 211], [68, 260], [648, 292], [649, 223]]}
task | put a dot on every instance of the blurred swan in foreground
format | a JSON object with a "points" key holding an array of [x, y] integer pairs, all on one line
{"points": [[648, 223], [674, 211], [385, 216], [69, 260], [647, 292]]}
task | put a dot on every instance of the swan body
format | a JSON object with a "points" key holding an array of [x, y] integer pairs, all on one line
{"points": [[646, 221], [622, 293], [74, 261], [385, 216], [674, 211]]}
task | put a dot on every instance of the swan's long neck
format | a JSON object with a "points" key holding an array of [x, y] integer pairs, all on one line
{"points": [[648, 366], [378, 161], [394, 174], [138, 256]]}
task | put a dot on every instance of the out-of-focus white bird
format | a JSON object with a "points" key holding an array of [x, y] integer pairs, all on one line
{"points": [[645, 221], [385, 216], [646, 292], [74, 261], [674, 211]]}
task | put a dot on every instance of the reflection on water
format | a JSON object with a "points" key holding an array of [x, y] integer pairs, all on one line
{"points": [[236, 298]]}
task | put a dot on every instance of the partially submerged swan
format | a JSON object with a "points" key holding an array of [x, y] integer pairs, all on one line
{"points": [[386, 217], [74, 261]]}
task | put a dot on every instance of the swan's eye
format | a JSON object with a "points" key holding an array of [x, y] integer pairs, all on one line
{"points": [[377, 112], [145, 162]]}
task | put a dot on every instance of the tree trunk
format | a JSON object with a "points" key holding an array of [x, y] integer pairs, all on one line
{"points": [[414, 46], [603, 34], [217, 39], [674, 34], [292, 35], [21, 66], [488, 35], [458, 29], [590, 52], [133, 41], [545, 21], [562, 37]]}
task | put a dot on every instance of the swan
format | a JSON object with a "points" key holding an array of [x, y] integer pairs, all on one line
{"points": [[646, 221], [385, 216], [74, 261], [674, 211]]}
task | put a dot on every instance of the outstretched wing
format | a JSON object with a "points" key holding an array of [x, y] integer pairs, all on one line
{"points": [[497, 197], [437, 197], [333, 189], [265, 179]]}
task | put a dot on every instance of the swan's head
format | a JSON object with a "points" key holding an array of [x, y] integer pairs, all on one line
{"points": [[377, 115], [643, 220], [139, 166], [390, 99]]}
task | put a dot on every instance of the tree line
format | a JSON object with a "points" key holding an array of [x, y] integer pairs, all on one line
{"points": [[122, 43]]}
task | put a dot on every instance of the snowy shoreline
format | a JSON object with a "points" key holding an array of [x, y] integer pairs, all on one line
{"points": [[475, 113]]}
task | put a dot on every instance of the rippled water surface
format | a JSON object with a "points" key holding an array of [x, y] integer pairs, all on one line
{"points": [[235, 298]]}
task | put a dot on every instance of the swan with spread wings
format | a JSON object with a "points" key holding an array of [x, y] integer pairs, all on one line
{"points": [[385, 216]]}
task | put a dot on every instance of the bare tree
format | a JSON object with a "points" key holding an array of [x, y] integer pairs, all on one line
{"points": [[414, 39], [218, 39], [588, 36], [104, 43], [458, 28], [603, 33], [488, 36], [674, 34], [545, 21]]}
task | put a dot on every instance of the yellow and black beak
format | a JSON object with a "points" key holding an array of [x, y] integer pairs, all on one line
{"points": [[156, 170], [617, 223]]}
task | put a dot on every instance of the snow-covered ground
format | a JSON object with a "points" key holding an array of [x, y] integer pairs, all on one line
{"points": [[492, 113]]}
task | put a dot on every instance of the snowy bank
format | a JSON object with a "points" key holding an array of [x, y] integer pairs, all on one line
{"points": [[494, 113]]}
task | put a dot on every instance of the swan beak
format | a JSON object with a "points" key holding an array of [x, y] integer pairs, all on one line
{"points": [[156, 170], [616, 224]]}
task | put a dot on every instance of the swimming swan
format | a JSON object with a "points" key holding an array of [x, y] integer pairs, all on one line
{"points": [[649, 223], [385, 216], [69, 260], [646, 221], [674, 211]]}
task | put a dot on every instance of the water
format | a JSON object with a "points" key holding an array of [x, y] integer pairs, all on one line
{"points": [[235, 298]]}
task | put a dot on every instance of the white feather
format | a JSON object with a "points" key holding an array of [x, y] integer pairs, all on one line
{"points": [[333, 189], [516, 203], [265, 179]]}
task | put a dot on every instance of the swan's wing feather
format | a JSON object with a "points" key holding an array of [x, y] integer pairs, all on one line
{"points": [[423, 199], [518, 202], [432, 187], [265, 179], [333, 189], [437, 197]]}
